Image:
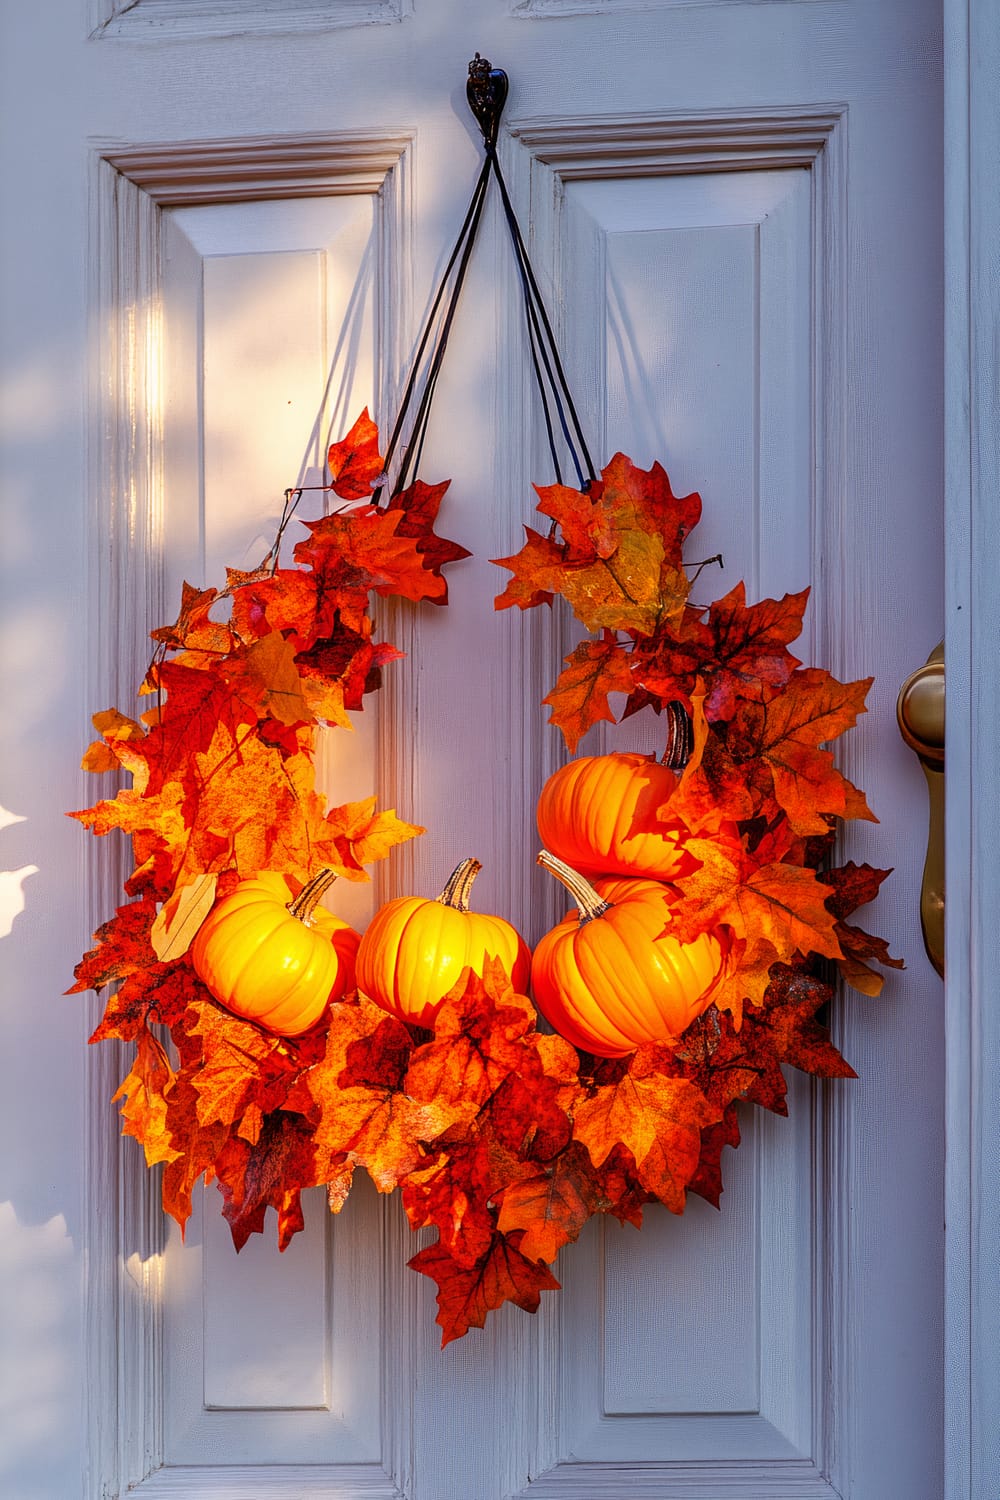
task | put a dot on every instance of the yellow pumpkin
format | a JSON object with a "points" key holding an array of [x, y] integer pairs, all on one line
{"points": [[609, 978], [414, 949], [275, 960], [587, 811]]}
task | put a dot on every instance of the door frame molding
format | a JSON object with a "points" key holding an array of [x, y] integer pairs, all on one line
{"points": [[972, 616]]}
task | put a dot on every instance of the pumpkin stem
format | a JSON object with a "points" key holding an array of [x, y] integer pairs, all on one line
{"points": [[459, 884], [590, 903], [680, 737], [308, 898]]}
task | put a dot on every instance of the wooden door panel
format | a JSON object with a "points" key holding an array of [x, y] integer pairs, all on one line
{"points": [[702, 357], [269, 312]]}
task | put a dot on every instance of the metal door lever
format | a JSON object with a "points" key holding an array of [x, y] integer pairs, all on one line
{"points": [[920, 715]]}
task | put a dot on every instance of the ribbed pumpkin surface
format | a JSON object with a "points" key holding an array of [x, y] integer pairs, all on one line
{"points": [[414, 950], [587, 811], [617, 981], [269, 966]]}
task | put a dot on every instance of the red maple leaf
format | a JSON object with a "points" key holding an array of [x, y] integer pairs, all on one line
{"points": [[355, 463], [467, 1293]]}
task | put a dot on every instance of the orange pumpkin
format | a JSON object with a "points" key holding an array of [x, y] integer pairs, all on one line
{"points": [[415, 949], [588, 809], [275, 960], [608, 977]]}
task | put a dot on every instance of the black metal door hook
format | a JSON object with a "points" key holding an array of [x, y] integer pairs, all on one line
{"points": [[486, 91]]}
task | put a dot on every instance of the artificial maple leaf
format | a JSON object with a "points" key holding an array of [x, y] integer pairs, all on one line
{"points": [[193, 630], [624, 498], [363, 551], [122, 947], [466, 1294], [656, 1117], [346, 663], [553, 1205], [852, 886], [540, 558], [355, 462], [619, 566], [749, 653], [795, 1035], [232, 1059], [478, 1040], [454, 1195], [159, 993], [265, 678], [527, 1110], [784, 734], [145, 1090], [369, 1124], [354, 835], [293, 601], [579, 699], [419, 504], [775, 903], [707, 1180], [731, 1062], [269, 1172]]}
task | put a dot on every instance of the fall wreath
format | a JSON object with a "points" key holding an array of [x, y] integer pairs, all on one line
{"points": [[276, 1050], [504, 1137]]}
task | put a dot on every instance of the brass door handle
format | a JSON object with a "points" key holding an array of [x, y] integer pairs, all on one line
{"points": [[920, 715]]}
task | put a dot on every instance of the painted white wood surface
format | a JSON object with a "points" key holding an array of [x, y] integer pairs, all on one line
{"points": [[844, 97]]}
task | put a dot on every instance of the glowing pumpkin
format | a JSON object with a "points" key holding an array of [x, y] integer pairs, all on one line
{"points": [[588, 810], [609, 978], [415, 949], [275, 960]]}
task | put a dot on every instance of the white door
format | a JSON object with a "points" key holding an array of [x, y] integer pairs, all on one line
{"points": [[237, 215]]}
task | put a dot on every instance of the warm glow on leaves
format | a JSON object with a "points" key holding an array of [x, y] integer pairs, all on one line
{"points": [[619, 563], [355, 462], [502, 1139], [579, 699]]}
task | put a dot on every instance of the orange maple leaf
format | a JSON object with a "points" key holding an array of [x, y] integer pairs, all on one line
{"points": [[775, 903], [553, 1205], [454, 1194], [579, 699], [263, 678], [368, 1123], [419, 504], [479, 1039], [367, 550], [785, 734], [145, 1090], [619, 566], [193, 630], [656, 1117]]}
